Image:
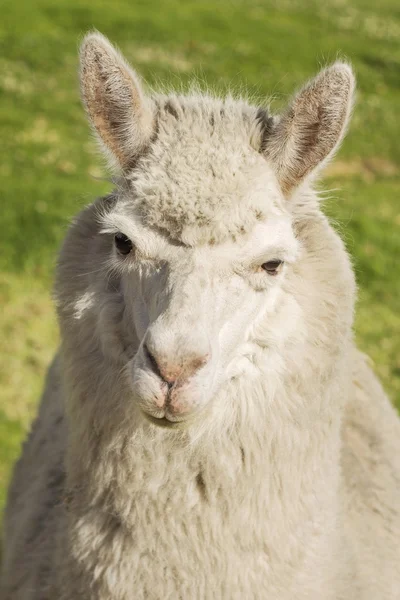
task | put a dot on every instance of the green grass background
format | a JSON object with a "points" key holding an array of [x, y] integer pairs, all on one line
{"points": [[48, 164]]}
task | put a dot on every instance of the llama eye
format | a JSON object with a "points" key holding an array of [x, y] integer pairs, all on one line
{"points": [[272, 266], [123, 243]]}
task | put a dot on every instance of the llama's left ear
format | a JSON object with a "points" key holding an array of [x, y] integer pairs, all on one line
{"points": [[118, 110], [312, 127]]}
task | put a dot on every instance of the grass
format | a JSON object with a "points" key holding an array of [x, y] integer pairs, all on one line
{"points": [[48, 163]]}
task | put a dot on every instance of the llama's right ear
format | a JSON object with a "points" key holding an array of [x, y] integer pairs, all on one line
{"points": [[118, 110]]}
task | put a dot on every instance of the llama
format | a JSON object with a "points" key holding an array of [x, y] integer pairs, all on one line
{"points": [[208, 429]]}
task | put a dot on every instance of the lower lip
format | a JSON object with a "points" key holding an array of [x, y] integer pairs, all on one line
{"points": [[163, 422]]}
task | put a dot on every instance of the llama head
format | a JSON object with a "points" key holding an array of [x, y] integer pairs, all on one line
{"points": [[200, 237]]}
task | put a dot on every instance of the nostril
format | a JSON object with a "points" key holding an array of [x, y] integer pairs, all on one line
{"points": [[153, 361], [156, 368]]}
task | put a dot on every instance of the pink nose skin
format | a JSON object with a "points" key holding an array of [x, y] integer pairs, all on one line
{"points": [[171, 373]]}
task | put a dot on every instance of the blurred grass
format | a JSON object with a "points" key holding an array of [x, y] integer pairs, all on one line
{"points": [[47, 161]]}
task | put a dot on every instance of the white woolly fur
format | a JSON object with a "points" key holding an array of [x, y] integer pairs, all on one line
{"points": [[272, 470]]}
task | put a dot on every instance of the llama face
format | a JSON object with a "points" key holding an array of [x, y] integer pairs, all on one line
{"points": [[194, 308], [202, 215]]}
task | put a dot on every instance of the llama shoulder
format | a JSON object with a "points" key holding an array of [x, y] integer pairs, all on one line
{"points": [[38, 481], [371, 477]]}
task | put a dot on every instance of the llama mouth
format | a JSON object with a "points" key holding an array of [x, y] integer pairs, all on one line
{"points": [[166, 423]]}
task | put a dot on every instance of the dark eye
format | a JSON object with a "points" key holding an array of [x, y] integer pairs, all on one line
{"points": [[123, 243], [272, 266]]}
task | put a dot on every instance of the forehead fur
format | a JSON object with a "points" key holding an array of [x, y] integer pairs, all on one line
{"points": [[203, 178]]}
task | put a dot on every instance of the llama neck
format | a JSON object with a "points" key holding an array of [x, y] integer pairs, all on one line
{"points": [[277, 459], [267, 491]]}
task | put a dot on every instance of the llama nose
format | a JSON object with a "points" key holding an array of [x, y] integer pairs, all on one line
{"points": [[170, 370]]}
